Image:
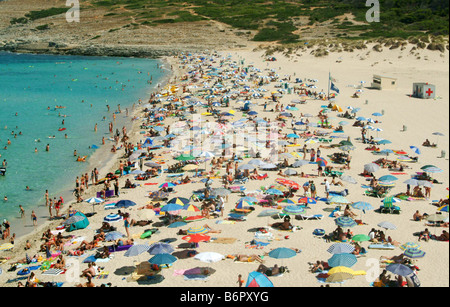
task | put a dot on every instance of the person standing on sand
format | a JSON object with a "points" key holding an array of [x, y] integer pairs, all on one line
{"points": [[240, 280], [34, 218]]}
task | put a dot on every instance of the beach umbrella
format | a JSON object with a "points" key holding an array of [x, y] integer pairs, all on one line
{"points": [[171, 208], [347, 148], [167, 185], [113, 236], [340, 248], [307, 200], [415, 149], [124, 203], [6, 246], [433, 170], [197, 230], [391, 200], [196, 238], [377, 114], [443, 208], [386, 151], [341, 200], [360, 238], [220, 192], [74, 219], [348, 179], [268, 212], [293, 210], [94, 200], [179, 201], [361, 205], [384, 142], [345, 221], [426, 166], [360, 118], [136, 249], [209, 257], [274, 192], [339, 277], [387, 225], [160, 248], [184, 157], [414, 253], [190, 167], [246, 167], [191, 208], [111, 218], [256, 162], [435, 218], [388, 178], [409, 245], [300, 163], [346, 259], [282, 253], [257, 279], [438, 135], [161, 259], [286, 201], [290, 172], [152, 164], [177, 224], [268, 166], [371, 167], [399, 269], [293, 135]]}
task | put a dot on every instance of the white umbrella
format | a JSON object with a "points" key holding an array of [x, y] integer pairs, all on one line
{"points": [[209, 257]]}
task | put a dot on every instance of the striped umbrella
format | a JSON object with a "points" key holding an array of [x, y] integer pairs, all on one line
{"points": [[339, 277], [340, 248], [136, 250], [347, 260], [110, 218], [399, 269], [388, 178], [414, 253], [197, 230], [293, 210], [307, 200], [171, 208], [286, 201], [341, 200], [94, 200], [162, 259], [443, 208], [345, 221], [160, 248], [268, 212], [167, 185], [361, 205], [179, 201], [409, 245], [387, 225], [113, 236]]}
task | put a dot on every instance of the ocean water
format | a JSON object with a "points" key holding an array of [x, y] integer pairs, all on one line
{"points": [[30, 88]]}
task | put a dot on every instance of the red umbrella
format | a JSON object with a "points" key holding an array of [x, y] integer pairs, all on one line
{"points": [[195, 238], [194, 218], [288, 183]]}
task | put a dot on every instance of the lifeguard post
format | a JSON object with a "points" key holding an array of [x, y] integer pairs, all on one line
{"points": [[384, 83]]}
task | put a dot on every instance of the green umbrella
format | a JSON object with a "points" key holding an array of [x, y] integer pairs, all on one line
{"points": [[184, 157], [361, 238]]}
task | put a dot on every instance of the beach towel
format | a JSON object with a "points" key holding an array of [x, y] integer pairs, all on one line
{"points": [[224, 240], [225, 222], [195, 277], [150, 183], [53, 272], [102, 275]]}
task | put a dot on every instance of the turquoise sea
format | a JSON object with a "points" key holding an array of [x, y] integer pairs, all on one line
{"points": [[30, 88]]}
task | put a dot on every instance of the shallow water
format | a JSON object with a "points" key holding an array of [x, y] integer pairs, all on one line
{"points": [[30, 88]]}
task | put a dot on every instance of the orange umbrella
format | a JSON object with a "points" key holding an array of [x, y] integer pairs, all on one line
{"points": [[196, 238]]}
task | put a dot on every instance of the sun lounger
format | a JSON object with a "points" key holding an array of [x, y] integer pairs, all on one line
{"points": [[309, 217]]}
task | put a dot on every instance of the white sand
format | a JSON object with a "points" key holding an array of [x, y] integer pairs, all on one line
{"points": [[421, 117]]}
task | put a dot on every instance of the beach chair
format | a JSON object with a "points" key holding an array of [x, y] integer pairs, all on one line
{"points": [[309, 217], [390, 208], [240, 180]]}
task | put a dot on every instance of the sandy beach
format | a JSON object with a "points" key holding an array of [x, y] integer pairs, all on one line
{"points": [[405, 122]]}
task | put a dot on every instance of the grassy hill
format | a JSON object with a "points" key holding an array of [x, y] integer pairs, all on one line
{"points": [[278, 20]]}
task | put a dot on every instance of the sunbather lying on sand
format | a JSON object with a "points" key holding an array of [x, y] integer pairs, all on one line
{"points": [[247, 258]]}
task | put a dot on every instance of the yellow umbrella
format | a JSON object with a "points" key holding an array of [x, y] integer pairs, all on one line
{"points": [[339, 277], [343, 269], [207, 113], [190, 167], [6, 246]]}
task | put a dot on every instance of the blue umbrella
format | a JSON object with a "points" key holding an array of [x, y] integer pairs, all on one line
{"points": [[414, 253], [113, 236], [386, 151], [136, 250], [282, 253], [293, 135], [345, 221], [361, 205], [252, 113], [177, 224], [399, 269], [171, 207], [388, 178], [160, 248], [377, 114], [415, 149], [274, 192], [163, 258], [124, 203], [360, 118], [384, 142], [346, 259], [293, 210], [340, 248]]}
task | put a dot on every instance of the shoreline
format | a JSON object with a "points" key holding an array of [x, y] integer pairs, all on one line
{"points": [[312, 248], [109, 165]]}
